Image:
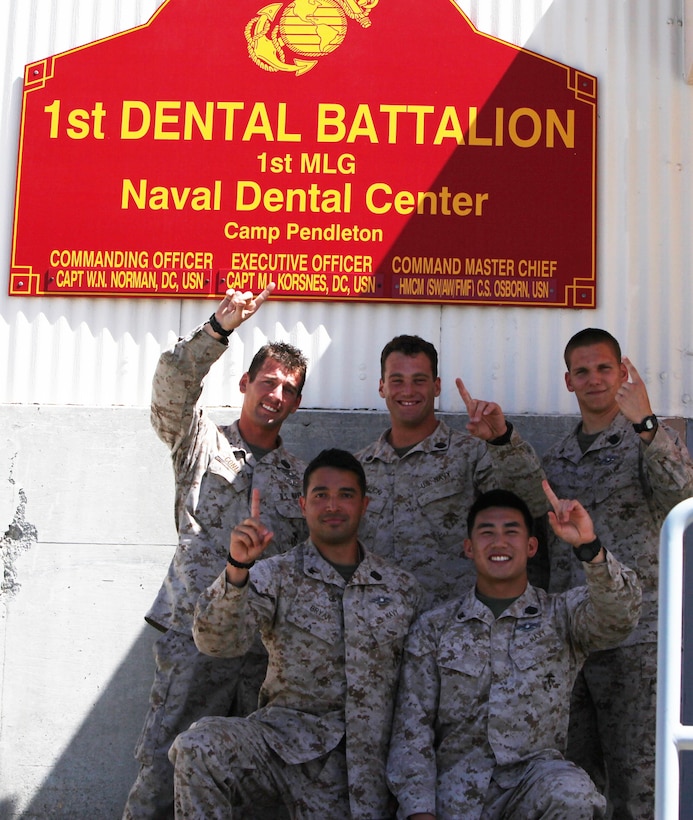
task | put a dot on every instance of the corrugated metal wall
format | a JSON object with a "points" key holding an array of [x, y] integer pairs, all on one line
{"points": [[102, 352]]}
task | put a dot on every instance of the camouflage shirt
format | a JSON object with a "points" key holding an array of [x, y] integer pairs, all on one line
{"points": [[480, 697], [628, 488], [334, 656], [215, 474], [417, 515]]}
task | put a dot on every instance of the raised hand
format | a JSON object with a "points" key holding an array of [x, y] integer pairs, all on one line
{"points": [[250, 538], [569, 520], [632, 398], [237, 306], [486, 419]]}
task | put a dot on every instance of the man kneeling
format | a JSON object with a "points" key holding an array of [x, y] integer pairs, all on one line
{"points": [[482, 713], [333, 618]]}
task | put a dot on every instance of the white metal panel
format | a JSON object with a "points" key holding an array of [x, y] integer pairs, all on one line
{"points": [[102, 352]]}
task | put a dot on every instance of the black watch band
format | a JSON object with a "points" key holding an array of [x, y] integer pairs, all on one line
{"points": [[648, 424], [505, 438], [239, 564], [586, 552], [217, 328]]}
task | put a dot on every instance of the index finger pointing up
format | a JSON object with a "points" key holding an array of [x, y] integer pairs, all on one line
{"points": [[255, 505], [630, 367], [551, 495]]}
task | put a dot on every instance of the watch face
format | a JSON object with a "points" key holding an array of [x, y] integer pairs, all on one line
{"points": [[649, 424]]}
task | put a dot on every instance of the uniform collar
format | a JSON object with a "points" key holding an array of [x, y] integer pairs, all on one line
{"points": [[611, 437], [528, 605], [315, 566], [437, 442]]}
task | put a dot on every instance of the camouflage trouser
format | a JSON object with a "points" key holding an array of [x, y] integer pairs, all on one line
{"points": [[556, 789], [187, 686], [613, 727], [223, 766]]}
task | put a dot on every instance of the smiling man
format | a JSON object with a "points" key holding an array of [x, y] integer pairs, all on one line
{"points": [[423, 476], [216, 468], [333, 617], [629, 470], [482, 712]]}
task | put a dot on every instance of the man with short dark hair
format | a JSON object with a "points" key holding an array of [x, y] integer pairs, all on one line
{"points": [[423, 476], [482, 710], [216, 469], [333, 617], [629, 470]]}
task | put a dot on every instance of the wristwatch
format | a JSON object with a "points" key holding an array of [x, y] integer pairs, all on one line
{"points": [[648, 424], [586, 552]]}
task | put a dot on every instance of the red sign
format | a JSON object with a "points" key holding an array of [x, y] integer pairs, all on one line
{"points": [[345, 149]]}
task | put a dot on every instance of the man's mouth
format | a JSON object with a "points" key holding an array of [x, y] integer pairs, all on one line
{"points": [[499, 559], [269, 408]]}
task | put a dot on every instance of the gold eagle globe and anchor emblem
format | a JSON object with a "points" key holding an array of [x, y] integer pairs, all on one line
{"points": [[307, 28]]}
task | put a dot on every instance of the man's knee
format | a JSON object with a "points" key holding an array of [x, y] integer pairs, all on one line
{"points": [[190, 743], [573, 792]]}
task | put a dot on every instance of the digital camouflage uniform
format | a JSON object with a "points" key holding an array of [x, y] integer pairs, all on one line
{"points": [[482, 709], [417, 515], [334, 656], [215, 473], [628, 488]]}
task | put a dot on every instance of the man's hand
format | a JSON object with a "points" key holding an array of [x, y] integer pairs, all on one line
{"points": [[486, 419], [249, 540], [237, 306], [569, 520], [632, 398]]}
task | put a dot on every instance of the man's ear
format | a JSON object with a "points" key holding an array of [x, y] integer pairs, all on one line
{"points": [[243, 383], [532, 546], [302, 505], [568, 382], [380, 389], [467, 548]]}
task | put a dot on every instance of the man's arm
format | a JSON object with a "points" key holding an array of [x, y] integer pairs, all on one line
{"points": [[226, 622], [411, 765], [667, 464], [611, 611], [177, 383]]}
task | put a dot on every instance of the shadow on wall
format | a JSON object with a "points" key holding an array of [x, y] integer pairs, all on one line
{"points": [[92, 777]]}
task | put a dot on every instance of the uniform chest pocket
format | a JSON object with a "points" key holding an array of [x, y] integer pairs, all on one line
{"points": [[467, 656], [288, 508], [604, 472], [444, 505], [533, 644], [437, 491], [318, 616], [387, 620]]}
